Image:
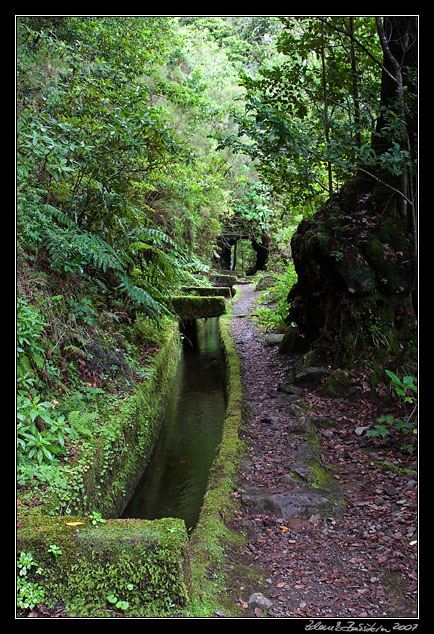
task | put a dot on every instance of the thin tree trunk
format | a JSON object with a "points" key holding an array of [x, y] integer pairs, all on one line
{"points": [[356, 97], [326, 115]]}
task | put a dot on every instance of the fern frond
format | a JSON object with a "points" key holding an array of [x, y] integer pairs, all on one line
{"points": [[70, 247], [150, 235], [60, 215], [142, 299]]}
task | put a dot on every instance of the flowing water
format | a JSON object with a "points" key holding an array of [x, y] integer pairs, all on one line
{"points": [[175, 479]]}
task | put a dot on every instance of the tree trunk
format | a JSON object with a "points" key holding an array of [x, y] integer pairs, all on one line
{"points": [[262, 251], [398, 41], [356, 98], [326, 108]]}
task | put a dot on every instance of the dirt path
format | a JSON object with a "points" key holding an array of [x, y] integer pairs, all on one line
{"points": [[362, 564]]}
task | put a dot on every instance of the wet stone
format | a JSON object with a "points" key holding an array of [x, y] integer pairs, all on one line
{"points": [[258, 600], [299, 503]]}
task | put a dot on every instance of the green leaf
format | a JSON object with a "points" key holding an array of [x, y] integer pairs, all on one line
{"points": [[111, 598]]}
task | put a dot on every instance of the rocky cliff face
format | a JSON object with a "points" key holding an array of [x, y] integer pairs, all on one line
{"points": [[356, 275]]}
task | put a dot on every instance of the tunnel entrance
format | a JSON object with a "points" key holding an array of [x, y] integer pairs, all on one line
{"points": [[243, 256], [240, 252]]}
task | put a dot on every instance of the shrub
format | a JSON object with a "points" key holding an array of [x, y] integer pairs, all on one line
{"points": [[274, 316]]}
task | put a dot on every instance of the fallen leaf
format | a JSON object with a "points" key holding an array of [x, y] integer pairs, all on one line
{"points": [[73, 523], [258, 612], [359, 430]]}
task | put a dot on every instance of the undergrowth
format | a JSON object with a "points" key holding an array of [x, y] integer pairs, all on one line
{"points": [[272, 308], [81, 348]]}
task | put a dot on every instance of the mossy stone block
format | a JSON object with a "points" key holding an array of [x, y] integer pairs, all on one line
{"points": [[189, 307], [205, 291], [140, 562]]}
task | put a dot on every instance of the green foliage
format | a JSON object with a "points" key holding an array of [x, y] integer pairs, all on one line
{"points": [[55, 550], [309, 119], [41, 434], [404, 389], [83, 310], [96, 518], [30, 325], [111, 177], [253, 211], [84, 423], [29, 593], [378, 430], [96, 132], [119, 604], [247, 40], [277, 296]]}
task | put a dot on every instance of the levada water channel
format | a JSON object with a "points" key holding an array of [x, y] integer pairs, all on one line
{"points": [[175, 479]]}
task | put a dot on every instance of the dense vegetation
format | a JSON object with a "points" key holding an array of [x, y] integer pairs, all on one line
{"points": [[120, 199], [144, 144]]}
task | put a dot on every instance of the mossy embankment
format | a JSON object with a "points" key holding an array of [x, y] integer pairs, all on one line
{"points": [[151, 568], [109, 462], [139, 562]]}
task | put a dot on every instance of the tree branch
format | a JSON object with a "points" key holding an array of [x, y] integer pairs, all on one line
{"points": [[361, 169], [354, 39], [387, 52]]}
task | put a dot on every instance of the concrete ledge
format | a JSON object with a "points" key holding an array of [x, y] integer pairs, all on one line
{"points": [[223, 280], [212, 536]]}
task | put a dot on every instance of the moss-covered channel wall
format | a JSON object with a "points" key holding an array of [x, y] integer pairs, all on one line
{"points": [[138, 568]]}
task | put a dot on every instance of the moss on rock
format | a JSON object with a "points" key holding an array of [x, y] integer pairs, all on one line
{"points": [[139, 563], [355, 265], [292, 342], [204, 291], [337, 385], [190, 307]]}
